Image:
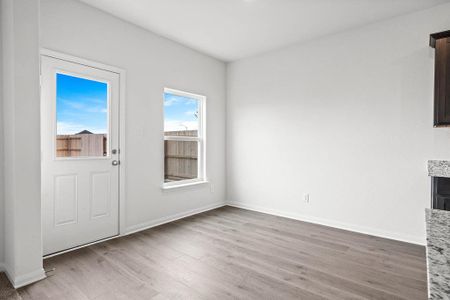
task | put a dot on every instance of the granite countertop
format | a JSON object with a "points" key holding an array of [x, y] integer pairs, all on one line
{"points": [[439, 168], [438, 253]]}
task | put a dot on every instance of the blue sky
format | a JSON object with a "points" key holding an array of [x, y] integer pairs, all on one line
{"points": [[180, 113], [81, 104]]}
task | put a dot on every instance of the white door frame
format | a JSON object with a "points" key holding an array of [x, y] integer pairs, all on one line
{"points": [[122, 169]]}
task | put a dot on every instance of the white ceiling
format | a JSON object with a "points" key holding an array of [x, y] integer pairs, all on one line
{"points": [[235, 29]]}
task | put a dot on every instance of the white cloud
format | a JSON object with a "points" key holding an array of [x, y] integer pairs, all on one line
{"points": [[190, 101], [73, 128], [170, 101], [191, 113], [176, 125], [96, 110], [80, 106], [74, 104]]}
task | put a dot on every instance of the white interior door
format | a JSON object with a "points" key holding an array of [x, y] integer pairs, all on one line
{"points": [[80, 155]]}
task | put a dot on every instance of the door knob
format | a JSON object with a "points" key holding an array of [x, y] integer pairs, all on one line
{"points": [[115, 162]]}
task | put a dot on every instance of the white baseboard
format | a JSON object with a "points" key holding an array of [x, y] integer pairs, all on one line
{"points": [[22, 280], [350, 227], [29, 278], [168, 219]]}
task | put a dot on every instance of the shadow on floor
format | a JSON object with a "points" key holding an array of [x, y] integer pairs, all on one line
{"points": [[6, 289]]}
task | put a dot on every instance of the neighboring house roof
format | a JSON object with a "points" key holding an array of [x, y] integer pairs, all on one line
{"points": [[84, 132]]}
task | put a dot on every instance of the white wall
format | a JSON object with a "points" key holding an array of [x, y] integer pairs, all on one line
{"points": [[22, 206], [346, 118], [151, 63], [2, 216]]}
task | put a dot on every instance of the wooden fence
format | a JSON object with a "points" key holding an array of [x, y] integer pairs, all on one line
{"points": [[81, 145], [180, 157]]}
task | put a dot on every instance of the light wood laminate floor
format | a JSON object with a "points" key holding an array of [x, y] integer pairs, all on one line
{"points": [[231, 253]]}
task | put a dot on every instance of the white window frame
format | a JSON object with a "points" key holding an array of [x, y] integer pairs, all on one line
{"points": [[200, 139], [108, 120]]}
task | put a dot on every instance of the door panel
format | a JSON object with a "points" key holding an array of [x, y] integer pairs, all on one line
{"points": [[65, 200], [100, 195], [79, 128]]}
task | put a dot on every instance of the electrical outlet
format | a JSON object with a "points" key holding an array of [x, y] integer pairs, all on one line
{"points": [[306, 197], [211, 187]]}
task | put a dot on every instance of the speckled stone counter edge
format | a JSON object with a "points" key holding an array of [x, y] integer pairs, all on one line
{"points": [[438, 253], [439, 168]]}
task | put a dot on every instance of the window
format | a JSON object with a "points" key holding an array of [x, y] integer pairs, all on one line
{"points": [[184, 138], [81, 117]]}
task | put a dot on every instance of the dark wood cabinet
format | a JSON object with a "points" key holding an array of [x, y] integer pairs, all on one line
{"points": [[441, 42]]}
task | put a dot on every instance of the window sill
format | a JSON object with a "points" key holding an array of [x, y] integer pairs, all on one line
{"points": [[182, 185]]}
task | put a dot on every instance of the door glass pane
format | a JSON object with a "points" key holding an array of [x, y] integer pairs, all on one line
{"points": [[181, 115], [81, 117], [180, 160]]}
